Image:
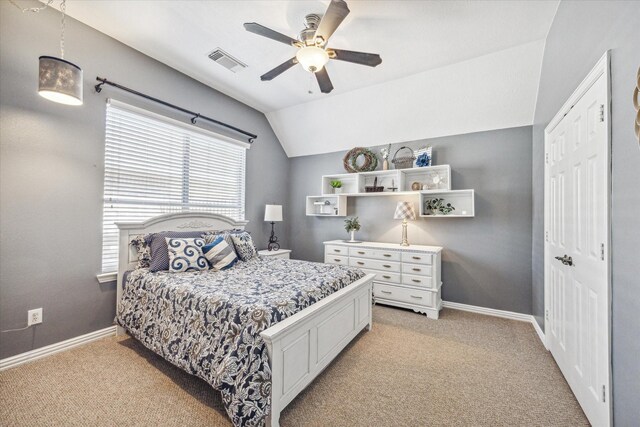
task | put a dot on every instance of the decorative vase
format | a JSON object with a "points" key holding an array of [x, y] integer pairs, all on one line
{"points": [[385, 165], [353, 236], [337, 191]]}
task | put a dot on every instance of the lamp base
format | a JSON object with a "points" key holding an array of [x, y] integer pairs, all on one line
{"points": [[405, 241], [273, 240]]}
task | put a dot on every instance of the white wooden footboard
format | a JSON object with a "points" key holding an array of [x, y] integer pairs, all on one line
{"points": [[302, 345]]}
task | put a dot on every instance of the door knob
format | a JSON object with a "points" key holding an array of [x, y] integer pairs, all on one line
{"points": [[566, 260]]}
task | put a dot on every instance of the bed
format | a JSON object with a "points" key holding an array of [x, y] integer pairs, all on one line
{"points": [[259, 332]]}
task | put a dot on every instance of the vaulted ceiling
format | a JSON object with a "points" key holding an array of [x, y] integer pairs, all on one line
{"points": [[448, 67]]}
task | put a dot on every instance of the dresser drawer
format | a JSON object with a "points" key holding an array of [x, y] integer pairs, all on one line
{"points": [[375, 264], [336, 259], [374, 253], [401, 294], [417, 258], [421, 281], [336, 250], [417, 269], [385, 276]]}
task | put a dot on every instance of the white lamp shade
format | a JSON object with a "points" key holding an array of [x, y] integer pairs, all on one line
{"points": [[404, 210], [273, 213], [60, 81], [312, 58]]}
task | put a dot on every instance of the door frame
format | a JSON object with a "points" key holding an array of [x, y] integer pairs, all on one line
{"points": [[602, 67]]}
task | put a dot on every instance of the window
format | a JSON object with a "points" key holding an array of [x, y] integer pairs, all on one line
{"points": [[156, 165]]}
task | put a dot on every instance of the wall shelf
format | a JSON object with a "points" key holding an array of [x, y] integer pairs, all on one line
{"points": [[436, 180], [462, 200], [327, 205]]}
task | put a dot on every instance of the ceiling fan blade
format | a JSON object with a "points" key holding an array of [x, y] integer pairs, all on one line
{"points": [[263, 31], [362, 58], [324, 81], [279, 69], [332, 18]]}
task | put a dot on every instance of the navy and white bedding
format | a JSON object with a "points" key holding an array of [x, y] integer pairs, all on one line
{"points": [[209, 322]]}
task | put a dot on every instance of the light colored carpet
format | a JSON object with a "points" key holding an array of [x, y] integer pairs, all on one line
{"points": [[461, 370]]}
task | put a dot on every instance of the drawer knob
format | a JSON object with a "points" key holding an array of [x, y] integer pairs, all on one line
{"points": [[417, 269], [387, 277], [337, 250], [416, 280], [416, 297], [386, 266], [360, 263], [336, 259], [361, 253], [416, 257], [386, 292], [387, 255]]}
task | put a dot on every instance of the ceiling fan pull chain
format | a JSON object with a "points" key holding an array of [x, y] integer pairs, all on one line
{"points": [[310, 91]]}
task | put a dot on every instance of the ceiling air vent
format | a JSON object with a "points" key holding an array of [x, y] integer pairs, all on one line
{"points": [[226, 60]]}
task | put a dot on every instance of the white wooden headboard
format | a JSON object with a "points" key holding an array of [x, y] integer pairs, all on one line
{"points": [[185, 221]]}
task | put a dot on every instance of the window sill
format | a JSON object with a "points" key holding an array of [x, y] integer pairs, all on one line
{"points": [[107, 277]]}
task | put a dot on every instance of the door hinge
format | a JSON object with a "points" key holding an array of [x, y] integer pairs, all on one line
{"points": [[546, 236], [604, 393], [546, 314], [602, 251], [602, 112], [546, 158]]}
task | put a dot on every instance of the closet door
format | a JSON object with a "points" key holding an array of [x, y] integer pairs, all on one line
{"points": [[576, 255]]}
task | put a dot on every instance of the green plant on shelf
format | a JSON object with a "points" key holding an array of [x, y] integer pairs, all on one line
{"points": [[336, 184], [437, 207]]}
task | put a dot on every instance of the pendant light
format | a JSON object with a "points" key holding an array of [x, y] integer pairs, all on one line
{"points": [[60, 80]]}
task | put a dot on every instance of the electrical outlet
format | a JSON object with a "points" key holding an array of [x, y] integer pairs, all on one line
{"points": [[34, 316]]}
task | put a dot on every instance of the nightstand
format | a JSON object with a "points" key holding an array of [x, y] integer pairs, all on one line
{"points": [[280, 253]]}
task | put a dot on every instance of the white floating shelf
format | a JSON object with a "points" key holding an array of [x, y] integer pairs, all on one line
{"points": [[437, 180], [462, 200], [328, 205]]}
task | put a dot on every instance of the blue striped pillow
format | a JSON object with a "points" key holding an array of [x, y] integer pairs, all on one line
{"points": [[220, 254]]}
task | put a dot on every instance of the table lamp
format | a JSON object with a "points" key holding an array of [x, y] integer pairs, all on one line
{"points": [[273, 214], [404, 211]]}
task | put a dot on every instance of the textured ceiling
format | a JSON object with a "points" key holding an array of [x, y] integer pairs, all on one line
{"points": [[414, 39]]}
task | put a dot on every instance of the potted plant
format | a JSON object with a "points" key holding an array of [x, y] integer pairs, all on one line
{"points": [[352, 225], [337, 186], [437, 207]]}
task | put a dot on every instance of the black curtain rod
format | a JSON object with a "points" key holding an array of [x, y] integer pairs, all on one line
{"points": [[195, 117]]}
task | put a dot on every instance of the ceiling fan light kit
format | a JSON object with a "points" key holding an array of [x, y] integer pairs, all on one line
{"points": [[312, 58], [313, 54]]}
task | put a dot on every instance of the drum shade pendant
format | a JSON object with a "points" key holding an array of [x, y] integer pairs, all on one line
{"points": [[60, 80]]}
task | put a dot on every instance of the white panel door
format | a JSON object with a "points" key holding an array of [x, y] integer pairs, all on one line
{"points": [[576, 255]]}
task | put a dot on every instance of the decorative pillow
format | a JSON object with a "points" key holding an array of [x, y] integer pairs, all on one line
{"points": [[159, 250], [210, 236], [244, 246], [186, 254], [144, 251], [220, 254]]}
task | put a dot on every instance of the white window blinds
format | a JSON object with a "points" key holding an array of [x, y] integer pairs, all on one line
{"points": [[155, 165]]}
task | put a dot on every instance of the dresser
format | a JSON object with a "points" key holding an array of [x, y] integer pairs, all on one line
{"points": [[406, 276]]}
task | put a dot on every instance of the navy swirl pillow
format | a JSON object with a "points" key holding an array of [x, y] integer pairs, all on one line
{"points": [[159, 251], [186, 255]]}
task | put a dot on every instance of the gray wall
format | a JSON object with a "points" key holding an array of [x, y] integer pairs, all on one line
{"points": [[487, 259], [580, 34], [51, 173]]}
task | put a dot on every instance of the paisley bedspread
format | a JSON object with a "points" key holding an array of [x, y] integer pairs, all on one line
{"points": [[208, 323]]}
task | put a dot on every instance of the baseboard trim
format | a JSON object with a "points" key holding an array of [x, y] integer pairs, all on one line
{"points": [[540, 332], [38, 353], [498, 313]]}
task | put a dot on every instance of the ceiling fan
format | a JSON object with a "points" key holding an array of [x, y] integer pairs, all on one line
{"points": [[313, 52]]}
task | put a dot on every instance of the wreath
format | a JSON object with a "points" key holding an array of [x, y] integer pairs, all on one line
{"points": [[350, 161]]}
